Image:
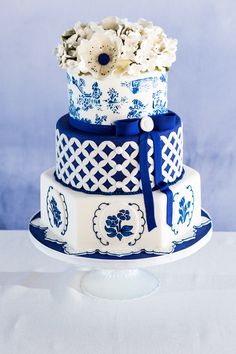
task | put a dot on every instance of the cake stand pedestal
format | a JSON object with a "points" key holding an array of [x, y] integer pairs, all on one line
{"points": [[116, 278]]}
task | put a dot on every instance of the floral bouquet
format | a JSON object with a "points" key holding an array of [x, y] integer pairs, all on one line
{"points": [[116, 46]]}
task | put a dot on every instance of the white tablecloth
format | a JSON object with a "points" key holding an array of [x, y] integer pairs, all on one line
{"points": [[194, 310]]}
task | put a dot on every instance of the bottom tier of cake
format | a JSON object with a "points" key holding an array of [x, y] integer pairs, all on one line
{"points": [[116, 224]]}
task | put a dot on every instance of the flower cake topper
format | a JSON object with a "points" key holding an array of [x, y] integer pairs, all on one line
{"points": [[116, 46]]}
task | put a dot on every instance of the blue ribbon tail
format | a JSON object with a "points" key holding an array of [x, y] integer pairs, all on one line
{"points": [[169, 195], [146, 184], [157, 146]]}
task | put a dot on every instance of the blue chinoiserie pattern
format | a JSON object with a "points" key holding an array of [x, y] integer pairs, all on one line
{"points": [[55, 212], [100, 119], [116, 99], [158, 104], [115, 226], [87, 100], [114, 102]]}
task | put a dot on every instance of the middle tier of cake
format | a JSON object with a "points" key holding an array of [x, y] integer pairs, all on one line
{"points": [[110, 164]]}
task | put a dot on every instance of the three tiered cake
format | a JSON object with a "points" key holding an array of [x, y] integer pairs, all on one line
{"points": [[119, 187]]}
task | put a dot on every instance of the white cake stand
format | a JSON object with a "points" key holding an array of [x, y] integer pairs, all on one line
{"points": [[122, 279]]}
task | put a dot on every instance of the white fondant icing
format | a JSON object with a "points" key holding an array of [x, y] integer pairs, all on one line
{"points": [[120, 221], [103, 101]]}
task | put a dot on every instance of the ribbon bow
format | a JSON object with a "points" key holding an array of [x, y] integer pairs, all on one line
{"points": [[151, 127]]}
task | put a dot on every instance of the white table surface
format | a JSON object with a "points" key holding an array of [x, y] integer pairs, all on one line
{"points": [[194, 310]]}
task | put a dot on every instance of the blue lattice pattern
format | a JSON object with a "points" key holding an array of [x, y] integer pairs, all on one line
{"points": [[110, 168], [172, 155]]}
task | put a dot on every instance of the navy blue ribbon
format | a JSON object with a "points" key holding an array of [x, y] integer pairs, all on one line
{"points": [[129, 127]]}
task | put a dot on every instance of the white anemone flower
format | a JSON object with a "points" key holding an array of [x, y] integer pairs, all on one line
{"points": [[99, 54]]}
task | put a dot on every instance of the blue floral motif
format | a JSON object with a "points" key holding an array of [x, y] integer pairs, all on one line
{"points": [[158, 105], [184, 210], [55, 212], [114, 227], [136, 110], [124, 214], [100, 119], [113, 101]]}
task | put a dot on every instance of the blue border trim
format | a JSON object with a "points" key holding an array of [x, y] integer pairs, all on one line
{"points": [[39, 233]]}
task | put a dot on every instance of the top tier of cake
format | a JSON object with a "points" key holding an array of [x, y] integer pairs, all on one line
{"points": [[116, 97], [116, 69]]}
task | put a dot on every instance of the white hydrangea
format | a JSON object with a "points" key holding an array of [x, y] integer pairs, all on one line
{"points": [[116, 46]]}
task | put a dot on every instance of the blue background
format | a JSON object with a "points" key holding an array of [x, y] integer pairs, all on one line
{"points": [[33, 93]]}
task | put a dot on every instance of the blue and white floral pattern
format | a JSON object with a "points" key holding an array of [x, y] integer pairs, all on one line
{"points": [[116, 98], [57, 210], [115, 223], [136, 110], [185, 207], [184, 210], [88, 100], [73, 110], [99, 119], [114, 102], [158, 104], [115, 226]]}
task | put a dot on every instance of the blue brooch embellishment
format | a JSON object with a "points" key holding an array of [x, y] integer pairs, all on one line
{"points": [[55, 212], [114, 225]]}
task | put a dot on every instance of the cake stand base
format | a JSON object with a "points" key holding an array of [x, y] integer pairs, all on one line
{"points": [[119, 284], [117, 278]]}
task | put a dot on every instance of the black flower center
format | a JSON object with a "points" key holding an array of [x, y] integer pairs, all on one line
{"points": [[103, 58]]}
